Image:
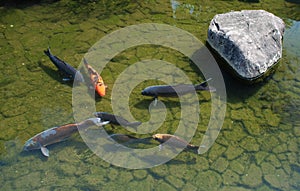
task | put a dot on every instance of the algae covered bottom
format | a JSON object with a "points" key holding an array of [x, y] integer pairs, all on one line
{"points": [[257, 148]]}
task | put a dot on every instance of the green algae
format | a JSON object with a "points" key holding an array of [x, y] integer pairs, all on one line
{"points": [[258, 147], [253, 176], [220, 165]]}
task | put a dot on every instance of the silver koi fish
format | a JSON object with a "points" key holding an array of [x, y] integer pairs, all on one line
{"points": [[58, 134]]}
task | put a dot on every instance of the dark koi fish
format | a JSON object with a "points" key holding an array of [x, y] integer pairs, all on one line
{"points": [[117, 120], [174, 142], [58, 134], [176, 90], [67, 71]]}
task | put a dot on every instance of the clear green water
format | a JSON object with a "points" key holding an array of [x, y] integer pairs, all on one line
{"points": [[257, 148]]}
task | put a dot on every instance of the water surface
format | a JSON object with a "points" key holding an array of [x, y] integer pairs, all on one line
{"points": [[257, 148]]}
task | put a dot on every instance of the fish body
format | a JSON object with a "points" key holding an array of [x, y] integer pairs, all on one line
{"points": [[174, 142], [96, 80], [122, 138], [67, 71], [176, 90], [58, 134], [115, 119]]}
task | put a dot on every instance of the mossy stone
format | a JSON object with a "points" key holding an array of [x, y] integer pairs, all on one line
{"points": [[267, 168], [136, 185], [216, 151], [234, 188], [233, 152], [125, 176], [220, 165], [204, 165], [68, 170], [249, 144], [230, 177], [268, 142], [161, 185], [140, 174], [33, 180], [208, 180], [13, 107], [278, 180], [8, 185], [260, 156], [297, 130], [294, 180], [252, 127], [272, 158], [236, 134], [175, 181], [293, 145], [8, 132], [283, 137], [271, 118], [265, 188], [242, 114], [190, 187], [286, 167], [174, 170], [94, 179], [237, 167], [293, 157], [253, 176]]}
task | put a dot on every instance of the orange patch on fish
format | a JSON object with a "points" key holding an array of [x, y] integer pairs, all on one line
{"points": [[96, 80]]}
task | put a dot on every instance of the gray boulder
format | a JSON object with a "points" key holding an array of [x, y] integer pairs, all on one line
{"points": [[249, 40]]}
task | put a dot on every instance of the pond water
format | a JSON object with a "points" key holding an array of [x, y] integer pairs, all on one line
{"points": [[256, 149]]}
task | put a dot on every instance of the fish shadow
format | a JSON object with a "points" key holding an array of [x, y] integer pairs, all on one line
{"points": [[37, 153], [170, 161], [145, 103], [237, 90], [54, 74], [55, 148]]}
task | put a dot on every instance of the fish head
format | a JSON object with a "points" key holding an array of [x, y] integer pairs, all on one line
{"points": [[100, 89], [149, 92], [98, 114], [158, 137], [31, 144]]}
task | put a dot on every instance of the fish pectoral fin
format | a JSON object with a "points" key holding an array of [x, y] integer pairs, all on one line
{"points": [[45, 151], [155, 101], [160, 147]]}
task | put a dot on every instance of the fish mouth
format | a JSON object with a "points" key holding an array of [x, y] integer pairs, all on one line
{"points": [[96, 114], [155, 137]]}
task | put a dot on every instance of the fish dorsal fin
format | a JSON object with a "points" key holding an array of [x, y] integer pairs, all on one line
{"points": [[45, 151]]}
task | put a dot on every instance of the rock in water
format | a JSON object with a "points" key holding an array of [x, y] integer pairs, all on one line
{"points": [[249, 40]]}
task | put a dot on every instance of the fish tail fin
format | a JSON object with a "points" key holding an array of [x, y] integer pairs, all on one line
{"points": [[134, 124], [47, 52], [204, 86], [193, 148]]}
